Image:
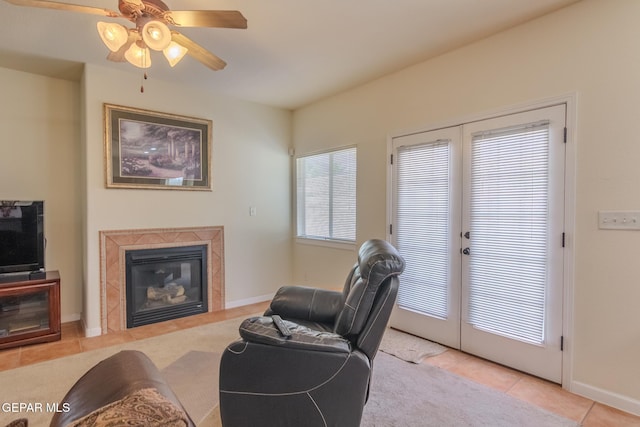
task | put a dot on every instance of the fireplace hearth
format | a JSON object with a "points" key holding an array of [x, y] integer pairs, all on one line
{"points": [[165, 283]]}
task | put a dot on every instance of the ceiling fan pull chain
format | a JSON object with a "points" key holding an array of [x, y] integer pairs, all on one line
{"points": [[144, 77]]}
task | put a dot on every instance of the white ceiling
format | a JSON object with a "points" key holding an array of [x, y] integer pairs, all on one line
{"points": [[293, 52]]}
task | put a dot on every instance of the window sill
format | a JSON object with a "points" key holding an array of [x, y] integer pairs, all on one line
{"points": [[327, 243]]}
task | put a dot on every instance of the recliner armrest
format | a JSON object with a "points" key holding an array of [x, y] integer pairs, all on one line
{"points": [[262, 330], [299, 302]]}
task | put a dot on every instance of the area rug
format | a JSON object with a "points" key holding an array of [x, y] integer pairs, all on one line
{"points": [[194, 379], [408, 347], [48, 382], [409, 395], [402, 394]]}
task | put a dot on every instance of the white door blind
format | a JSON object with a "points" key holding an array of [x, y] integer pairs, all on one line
{"points": [[509, 226], [423, 226], [326, 192]]}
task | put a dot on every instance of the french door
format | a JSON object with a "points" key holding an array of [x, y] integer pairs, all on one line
{"points": [[477, 212]]}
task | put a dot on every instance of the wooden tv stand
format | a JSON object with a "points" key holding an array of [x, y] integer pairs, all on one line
{"points": [[30, 310]]}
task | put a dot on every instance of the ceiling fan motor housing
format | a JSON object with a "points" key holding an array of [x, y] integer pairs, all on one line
{"points": [[132, 10]]}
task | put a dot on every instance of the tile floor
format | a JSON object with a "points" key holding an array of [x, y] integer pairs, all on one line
{"points": [[514, 383]]}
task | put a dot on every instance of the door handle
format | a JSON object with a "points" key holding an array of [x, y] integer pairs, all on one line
{"points": [[466, 251]]}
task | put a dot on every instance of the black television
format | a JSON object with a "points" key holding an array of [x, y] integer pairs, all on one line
{"points": [[22, 240]]}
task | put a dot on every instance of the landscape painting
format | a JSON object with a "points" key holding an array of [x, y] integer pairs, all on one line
{"points": [[147, 149]]}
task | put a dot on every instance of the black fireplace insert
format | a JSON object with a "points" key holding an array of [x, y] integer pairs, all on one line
{"points": [[165, 283]]}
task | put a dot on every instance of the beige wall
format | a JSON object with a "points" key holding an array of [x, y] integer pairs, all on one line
{"points": [[52, 149], [251, 167], [39, 151], [590, 49]]}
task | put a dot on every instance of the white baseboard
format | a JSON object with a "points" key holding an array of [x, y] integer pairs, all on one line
{"points": [[94, 332], [90, 332], [606, 397], [70, 318], [248, 301]]}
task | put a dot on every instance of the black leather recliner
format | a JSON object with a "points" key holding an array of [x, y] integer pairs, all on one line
{"points": [[319, 375]]}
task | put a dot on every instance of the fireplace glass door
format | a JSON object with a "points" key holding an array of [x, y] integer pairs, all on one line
{"points": [[165, 283]]}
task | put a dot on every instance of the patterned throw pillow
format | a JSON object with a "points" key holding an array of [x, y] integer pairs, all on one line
{"points": [[22, 422], [145, 407]]}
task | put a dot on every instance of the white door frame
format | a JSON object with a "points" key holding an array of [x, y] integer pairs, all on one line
{"points": [[570, 100]]}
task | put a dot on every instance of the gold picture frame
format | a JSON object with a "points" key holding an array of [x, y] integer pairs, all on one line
{"points": [[154, 150]]}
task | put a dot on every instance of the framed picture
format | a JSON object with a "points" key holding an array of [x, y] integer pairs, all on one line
{"points": [[148, 149]]}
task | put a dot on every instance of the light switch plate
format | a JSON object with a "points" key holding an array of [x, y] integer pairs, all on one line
{"points": [[619, 220]]}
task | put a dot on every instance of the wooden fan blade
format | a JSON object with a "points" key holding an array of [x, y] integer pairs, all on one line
{"points": [[198, 52], [206, 18], [65, 6]]}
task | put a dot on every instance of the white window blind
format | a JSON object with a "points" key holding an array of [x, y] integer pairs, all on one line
{"points": [[423, 227], [509, 223], [326, 195]]}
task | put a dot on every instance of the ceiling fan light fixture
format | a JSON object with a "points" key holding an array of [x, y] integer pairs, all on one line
{"points": [[138, 55], [113, 35], [151, 19], [174, 53], [156, 35]]}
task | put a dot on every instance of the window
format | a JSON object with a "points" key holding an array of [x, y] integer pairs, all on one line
{"points": [[509, 217], [423, 230], [326, 195]]}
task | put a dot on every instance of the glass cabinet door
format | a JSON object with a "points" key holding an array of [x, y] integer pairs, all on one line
{"points": [[24, 313]]}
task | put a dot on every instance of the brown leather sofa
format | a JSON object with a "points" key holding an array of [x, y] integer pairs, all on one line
{"points": [[114, 380]]}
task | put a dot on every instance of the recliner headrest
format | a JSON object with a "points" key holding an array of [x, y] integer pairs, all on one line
{"points": [[377, 261]]}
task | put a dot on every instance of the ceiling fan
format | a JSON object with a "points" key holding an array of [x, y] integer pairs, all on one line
{"points": [[152, 19]]}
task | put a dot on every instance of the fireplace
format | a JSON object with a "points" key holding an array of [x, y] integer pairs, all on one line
{"points": [[165, 283], [114, 244]]}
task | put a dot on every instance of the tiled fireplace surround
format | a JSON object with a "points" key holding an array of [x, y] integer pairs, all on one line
{"points": [[114, 244]]}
